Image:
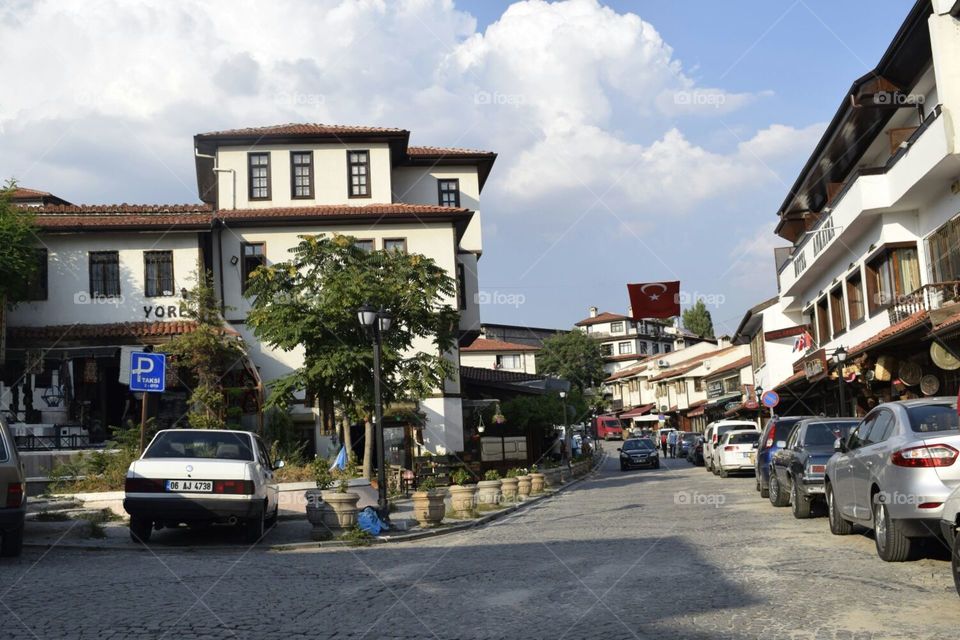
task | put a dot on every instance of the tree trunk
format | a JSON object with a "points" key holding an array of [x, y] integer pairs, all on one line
{"points": [[347, 440], [367, 448]]}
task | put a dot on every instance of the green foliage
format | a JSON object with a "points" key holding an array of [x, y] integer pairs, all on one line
{"points": [[18, 243], [101, 470], [461, 477], [427, 484], [349, 472], [516, 472], [573, 356], [207, 353], [697, 320], [321, 473], [311, 301], [356, 537], [284, 439], [492, 474]]}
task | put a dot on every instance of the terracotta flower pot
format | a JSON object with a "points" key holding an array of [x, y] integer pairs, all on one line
{"points": [[463, 499], [509, 489], [523, 486], [537, 482], [488, 492], [429, 507]]}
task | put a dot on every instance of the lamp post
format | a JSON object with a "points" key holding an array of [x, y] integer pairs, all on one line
{"points": [[840, 354], [376, 323], [566, 443]]}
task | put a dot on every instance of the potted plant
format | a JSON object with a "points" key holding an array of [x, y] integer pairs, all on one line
{"points": [[537, 480], [428, 503], [509, 485], [316, 508], [342, 502], [462, 493], [523, 484], [488, 489]]}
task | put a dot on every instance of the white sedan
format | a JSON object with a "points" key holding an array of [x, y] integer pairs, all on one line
{"points": [[737, 451], [202, 476]]}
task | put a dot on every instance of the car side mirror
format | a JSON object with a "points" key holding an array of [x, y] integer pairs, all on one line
{"points": [[781, 443], [838, 445], [279, 464], [619, 448]]}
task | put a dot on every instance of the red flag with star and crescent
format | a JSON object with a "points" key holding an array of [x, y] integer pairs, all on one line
{"points": [[655, 299]]}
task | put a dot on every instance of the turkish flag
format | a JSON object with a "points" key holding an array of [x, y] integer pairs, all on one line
{"points": [[655, 299]]}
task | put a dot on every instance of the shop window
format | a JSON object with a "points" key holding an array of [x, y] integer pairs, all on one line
{"points": [[855, 298], [836, 311], [891, 276]]}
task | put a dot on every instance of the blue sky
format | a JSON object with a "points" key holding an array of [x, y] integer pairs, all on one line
{"points": [[638, 141]]}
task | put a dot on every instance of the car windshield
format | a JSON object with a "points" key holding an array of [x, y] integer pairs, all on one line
{"points": [[689, 437], [925, 418], [222, 445], [636, 445], [744, 438], [826, 433]]}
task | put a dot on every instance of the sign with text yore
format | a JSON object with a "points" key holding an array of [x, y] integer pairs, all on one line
{"points": [[148, 372]]}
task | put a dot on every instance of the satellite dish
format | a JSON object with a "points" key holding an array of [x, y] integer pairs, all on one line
{"points": [[943, 358]]}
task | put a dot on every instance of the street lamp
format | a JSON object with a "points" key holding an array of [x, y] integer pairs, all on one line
{"points": [[840, 355], [566, 442], [376, 323]]}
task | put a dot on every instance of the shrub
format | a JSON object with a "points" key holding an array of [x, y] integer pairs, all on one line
{"points": [[461, 477], [516, 472], [427, 484], [493, 474]]}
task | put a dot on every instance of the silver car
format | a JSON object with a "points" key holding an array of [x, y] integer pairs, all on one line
{"points": [[894, 472], [950, 528], [13, 494]]}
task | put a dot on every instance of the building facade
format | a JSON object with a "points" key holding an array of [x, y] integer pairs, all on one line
{"points": [[485, 353], [625, 341]]}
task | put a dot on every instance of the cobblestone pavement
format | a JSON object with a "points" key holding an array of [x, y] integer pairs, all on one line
{"points": [[669, 553]]}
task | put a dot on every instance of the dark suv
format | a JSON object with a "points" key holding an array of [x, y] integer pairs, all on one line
{"points": [[774, 437]]}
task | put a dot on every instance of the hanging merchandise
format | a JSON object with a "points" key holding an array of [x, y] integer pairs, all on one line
{"points": [[910, 373], [498, 417], [929, 385], [884, 368], [90, 371], [943, 358]]}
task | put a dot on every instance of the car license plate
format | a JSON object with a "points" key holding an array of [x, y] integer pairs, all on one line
{"points": [[190, 486]]}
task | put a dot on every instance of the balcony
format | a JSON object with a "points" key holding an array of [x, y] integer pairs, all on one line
{"points": [[929, 297]]}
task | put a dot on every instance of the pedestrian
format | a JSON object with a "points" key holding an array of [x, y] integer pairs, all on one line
{"points": [[672, 443], [663, 442]]}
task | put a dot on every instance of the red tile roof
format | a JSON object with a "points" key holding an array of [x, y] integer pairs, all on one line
{"points": [[600, 318], [736, 364], [479, 374], [675, 371], [637, 411], [306, 129], [338, 211], [446, 152], [112, 330], [909, 323], [23, 192], [484, 344], [949, 322], [122, 216], [626, 356]]}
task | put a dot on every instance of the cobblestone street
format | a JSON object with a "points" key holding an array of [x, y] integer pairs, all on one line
{"points": [[669, 553]]}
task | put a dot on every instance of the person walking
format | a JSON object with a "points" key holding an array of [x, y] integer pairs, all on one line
{"points": [[663, 443], [672, 443]]}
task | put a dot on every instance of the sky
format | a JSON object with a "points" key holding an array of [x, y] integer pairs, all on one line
{"points": [[638, 141]]}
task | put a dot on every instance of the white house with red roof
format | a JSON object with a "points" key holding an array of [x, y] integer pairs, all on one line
{"points": [[485, 353], [625, 341]]}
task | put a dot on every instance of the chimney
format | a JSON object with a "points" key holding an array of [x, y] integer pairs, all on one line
{"points": [[723, 342], [629, 312], [593, 312]]}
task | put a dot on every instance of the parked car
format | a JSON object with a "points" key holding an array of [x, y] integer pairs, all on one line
{"points": [[949, 525], [687, 440], [894, 472], [13, 486], [774, 436], [198, 477], [712, 435], [797, 470], [639, 452], [695, 452], [737, 451]]}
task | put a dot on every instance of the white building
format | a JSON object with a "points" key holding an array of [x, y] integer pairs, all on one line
{"points": [[112, 275], [486, 353], [625, 341]]}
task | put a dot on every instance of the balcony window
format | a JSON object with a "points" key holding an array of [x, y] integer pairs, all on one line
{"points": [[625, 347], [892, 275], [945, 252], [836, 311], [855, 298]]}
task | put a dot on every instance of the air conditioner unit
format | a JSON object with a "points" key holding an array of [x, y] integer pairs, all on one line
{"points": [[663, 364]]}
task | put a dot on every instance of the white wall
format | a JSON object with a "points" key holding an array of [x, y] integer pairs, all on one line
{"points": [[418, 185], [488, 360]]}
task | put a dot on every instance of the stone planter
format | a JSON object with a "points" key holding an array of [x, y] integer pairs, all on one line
{"points": [[463, 499], [551, 477], [330, 513], [429, 507], [537, 481], [488, 492], [508, 488], [523, 487], [315, 512], [565, 473]]}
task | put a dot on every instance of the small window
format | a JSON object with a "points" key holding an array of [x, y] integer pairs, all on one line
{"points": [[666, 348], [301, 174], [358, 173], [461, 286], [258, 175], [855, 298], [625, 347], [364, 245], [449, 192], [643, 347], [837, 311], [158, 273], [823, 321], [698, 384], [254, 256], [656, 347], [398, 245], [606, 349], [37, 280], [104, 274], [616, 327]]}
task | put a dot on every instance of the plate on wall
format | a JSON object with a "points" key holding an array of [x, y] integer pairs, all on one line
{"points": [[910, 373], [929, 385], [943, 358]]}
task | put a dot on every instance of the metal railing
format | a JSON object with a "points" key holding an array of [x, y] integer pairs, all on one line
{"points": [[53, 442]]}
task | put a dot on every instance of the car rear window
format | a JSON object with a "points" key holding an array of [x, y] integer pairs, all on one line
{"points": [[824, 433], [744, 438], [631, 445], [200, 444], [781, 428], [925, 418], [732, 427]]}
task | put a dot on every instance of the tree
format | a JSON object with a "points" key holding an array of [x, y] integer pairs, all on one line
{"points": [[207, 353], [18, 240], [311, 301], [573, 356], [697, 320]]}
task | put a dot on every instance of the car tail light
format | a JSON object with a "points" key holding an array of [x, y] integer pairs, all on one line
{"points": [[143, 485], [729, 447], [818, 468], [929, 505], [769, 442], [14, 495], [934, 455], [239, 487]]}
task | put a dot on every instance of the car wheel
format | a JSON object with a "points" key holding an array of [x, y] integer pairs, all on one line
{"points": [[140, 529], [255, 527], [778, 497], [838, 526], [723, 472], [12, 543], [799, 503], [622, 468], [892, 545], [656, 465], [271, 522], [706, 464], [955, 562], [758, 481]]}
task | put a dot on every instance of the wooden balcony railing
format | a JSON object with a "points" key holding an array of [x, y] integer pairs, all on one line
{"points": [[929, 297]]}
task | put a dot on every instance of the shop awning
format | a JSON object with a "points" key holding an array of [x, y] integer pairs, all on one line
{"points": [[723, 400], [637, 412]]}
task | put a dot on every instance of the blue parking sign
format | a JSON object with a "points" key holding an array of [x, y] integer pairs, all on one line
{"points": [[148, 372]]}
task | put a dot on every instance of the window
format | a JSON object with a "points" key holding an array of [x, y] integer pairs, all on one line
{"points": [[104, 274], [643, 347], [666, 348], [395, 244], [731, 385], [625, 347], [616, 327], [358, 173], [836, 311], [301, 174], [606, 349], [258, 175], [509, 362], [758, 354], [891, 275], [823, 321], [449, 192], [855, 298], [698, 384], [158, 273], [461, 286], [812, 323], [882, 428], [254, 255], [37, 280], [656, 347], [364, 245], [944, 247]]}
